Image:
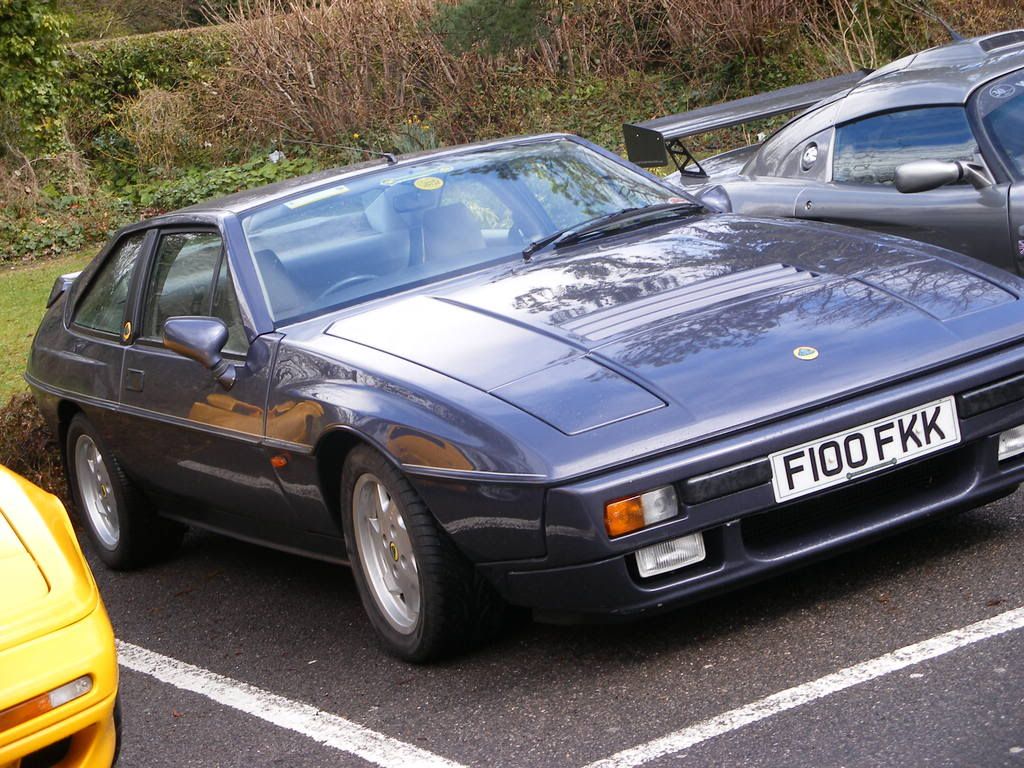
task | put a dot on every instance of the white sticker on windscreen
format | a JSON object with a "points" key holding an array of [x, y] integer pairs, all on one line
{"points": [[316, 197]]}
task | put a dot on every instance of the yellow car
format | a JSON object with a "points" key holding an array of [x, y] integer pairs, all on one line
{"points": [[58, 665]]}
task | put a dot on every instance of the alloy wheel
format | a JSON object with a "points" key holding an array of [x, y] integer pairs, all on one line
{"points": [[386, 553]]}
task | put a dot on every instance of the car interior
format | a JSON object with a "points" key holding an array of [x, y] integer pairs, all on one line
{"points": [[372, 241]]}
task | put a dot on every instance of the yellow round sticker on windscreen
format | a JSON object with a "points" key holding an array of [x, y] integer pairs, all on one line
{"points": [[428, 183]]}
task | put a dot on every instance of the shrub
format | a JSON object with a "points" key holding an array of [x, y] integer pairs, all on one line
{"points": [[28, 447], [103, 75], [970, 17], [197, 184], [44, 227], [722, 30], [318, 71], [161, 128], [494, 25], [31, 36]]}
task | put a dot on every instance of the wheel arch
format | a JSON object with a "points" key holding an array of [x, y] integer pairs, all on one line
{"points": [[331, 450], [66, 411]]}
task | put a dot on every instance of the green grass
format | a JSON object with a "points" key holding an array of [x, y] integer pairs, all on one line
{"points": [[23, 292]]}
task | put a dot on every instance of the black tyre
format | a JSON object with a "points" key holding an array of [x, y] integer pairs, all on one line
{"points": [[424, 599], [119, 520]]}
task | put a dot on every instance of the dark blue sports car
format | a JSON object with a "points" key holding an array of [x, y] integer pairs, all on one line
{"points": [[527, 373]]}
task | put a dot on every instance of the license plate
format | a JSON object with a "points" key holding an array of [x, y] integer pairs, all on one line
{"points": [[848, 455]]}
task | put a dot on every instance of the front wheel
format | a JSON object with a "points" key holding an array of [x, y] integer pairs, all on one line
{"points": [[423, 598]]}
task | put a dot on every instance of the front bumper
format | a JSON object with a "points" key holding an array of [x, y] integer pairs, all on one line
{"points": [[748, 535], [83, 729]]}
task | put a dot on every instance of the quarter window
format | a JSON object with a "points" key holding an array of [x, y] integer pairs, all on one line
{"points": [[102, 306], [225, 306], [869, 151]]}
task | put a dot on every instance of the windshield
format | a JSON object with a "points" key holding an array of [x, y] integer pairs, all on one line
{"points": [[1001, 105], [398, 227]]}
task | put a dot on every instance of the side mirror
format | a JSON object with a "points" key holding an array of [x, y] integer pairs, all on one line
{"points": [[925, 175], [716, 199], [201, 339]]}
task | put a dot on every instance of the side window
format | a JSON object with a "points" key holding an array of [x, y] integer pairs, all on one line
{"points": [[181, 282], [190, 277], [773, 157], [102, 306], [869, 150], [809, 159]]}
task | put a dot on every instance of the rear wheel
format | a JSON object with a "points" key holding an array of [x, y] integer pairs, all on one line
{"points": [[424, 599], [124, 530]]}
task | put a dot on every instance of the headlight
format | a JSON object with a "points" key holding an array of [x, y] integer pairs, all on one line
{"points": [[628, 515], [40, 705]]}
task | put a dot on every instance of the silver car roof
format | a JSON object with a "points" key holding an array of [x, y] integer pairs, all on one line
{"points": [[947, 74]]}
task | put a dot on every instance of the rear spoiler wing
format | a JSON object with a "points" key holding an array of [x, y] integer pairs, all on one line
{"points": [[654, 142]]}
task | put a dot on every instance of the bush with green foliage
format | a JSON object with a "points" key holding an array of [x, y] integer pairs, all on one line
{"points": [[194, 185], [103, 75], [31, 70], [59, 225], [494, 25]]}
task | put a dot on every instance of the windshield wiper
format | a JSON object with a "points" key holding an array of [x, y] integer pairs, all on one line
{"points": [[607, 224]]}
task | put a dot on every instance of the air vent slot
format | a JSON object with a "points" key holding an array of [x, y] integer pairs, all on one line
{"points": [[691, 298], [1002, 40]]}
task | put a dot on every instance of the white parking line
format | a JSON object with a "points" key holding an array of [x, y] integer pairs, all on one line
{"points": [[815, 689], [323, 727]]}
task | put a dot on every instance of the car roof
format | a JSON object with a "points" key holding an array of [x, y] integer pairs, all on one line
{"points": [[947, 74], [253, 198]]}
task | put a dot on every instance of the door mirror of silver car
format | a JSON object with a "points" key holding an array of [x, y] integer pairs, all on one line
{"points": [[201, 339], [925, 175], [716, 198]]}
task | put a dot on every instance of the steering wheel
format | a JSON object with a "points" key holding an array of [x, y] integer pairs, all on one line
{"points": [[345, 283]]}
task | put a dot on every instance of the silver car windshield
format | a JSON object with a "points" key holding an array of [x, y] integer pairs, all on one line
{"points": [[1001, 106], [393, 228]]}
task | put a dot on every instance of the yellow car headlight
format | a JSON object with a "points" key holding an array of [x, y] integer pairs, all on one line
{"points": [[40, 705]]}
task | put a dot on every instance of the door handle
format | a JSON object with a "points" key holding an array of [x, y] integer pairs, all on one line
{"points": [[133, 380]]}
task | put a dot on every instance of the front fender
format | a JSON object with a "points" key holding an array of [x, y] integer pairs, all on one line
{"points": [[452, 441]]}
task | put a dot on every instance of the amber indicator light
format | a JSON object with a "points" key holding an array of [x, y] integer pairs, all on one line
{"points": [[624, 516]]}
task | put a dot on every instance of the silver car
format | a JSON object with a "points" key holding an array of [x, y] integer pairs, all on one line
{"points": [[929, 147]]}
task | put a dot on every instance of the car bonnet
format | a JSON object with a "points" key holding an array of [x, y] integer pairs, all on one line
{"points": [[704, 317], [38, 553]]}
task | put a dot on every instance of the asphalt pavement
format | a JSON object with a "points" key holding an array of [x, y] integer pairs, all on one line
{"points": [[295, 667]]}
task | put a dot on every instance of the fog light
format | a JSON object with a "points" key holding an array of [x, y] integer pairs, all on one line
{"points": [[670, 555], [40, 705], [636, 512], [1011, 442]]}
